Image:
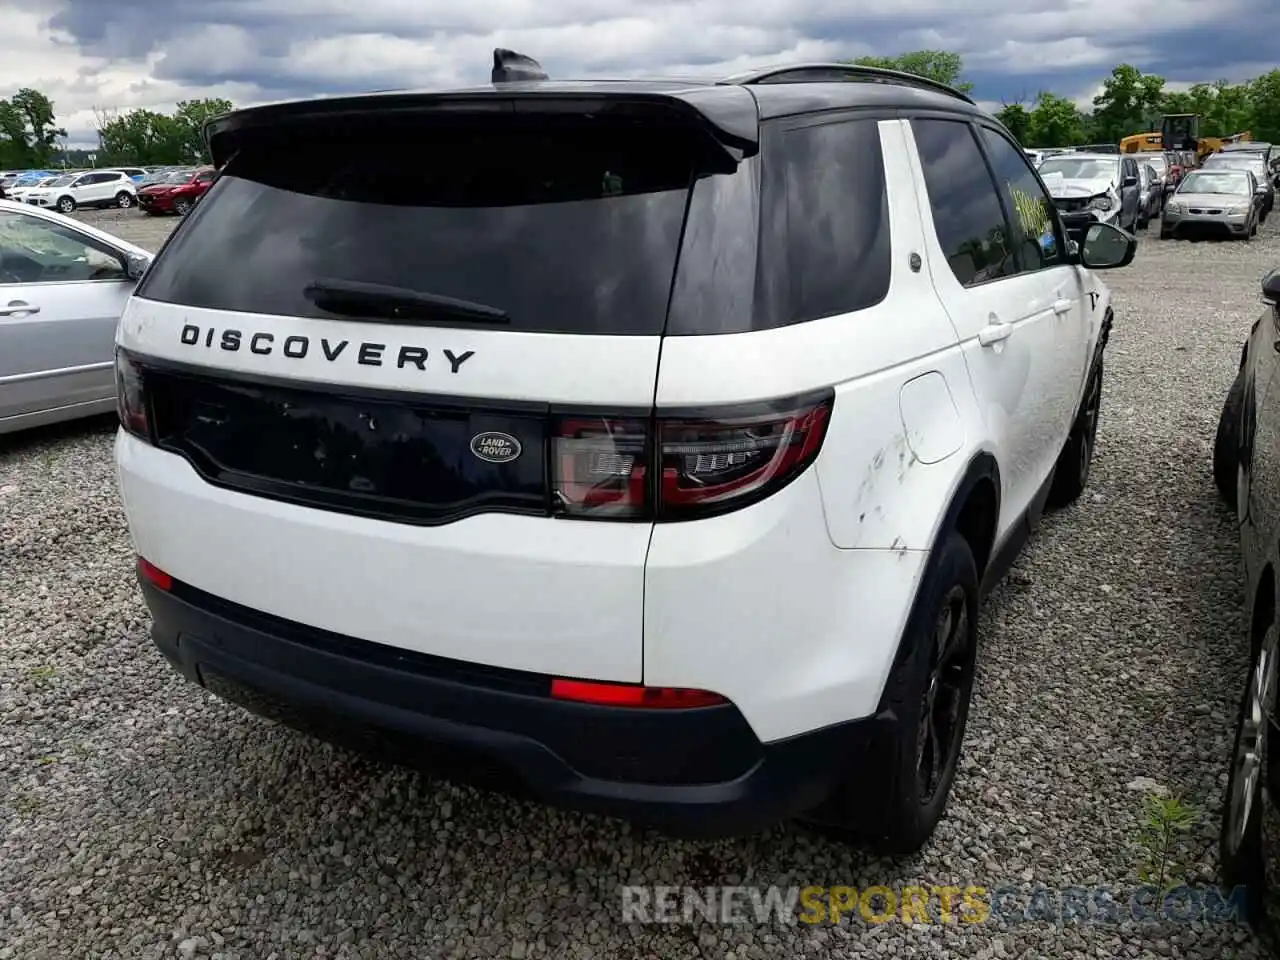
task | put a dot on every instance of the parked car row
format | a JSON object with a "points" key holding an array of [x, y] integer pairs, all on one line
{"points": [[1230, 193], [173, 190], [96, 188]]}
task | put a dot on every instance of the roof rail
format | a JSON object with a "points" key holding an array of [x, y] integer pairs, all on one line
{"points": [[838, 72]]}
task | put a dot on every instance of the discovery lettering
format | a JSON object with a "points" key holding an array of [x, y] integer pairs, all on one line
{"points": [[297, 347]]}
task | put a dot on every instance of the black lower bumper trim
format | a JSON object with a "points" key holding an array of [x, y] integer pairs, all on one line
{"points": [[691, 773]]}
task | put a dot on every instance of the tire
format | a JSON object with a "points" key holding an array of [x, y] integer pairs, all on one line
{"points": [[1226, 444], [1240, 843], [886, 802], [124, 200], [1075, 462], [66, 205], [182, 206], [1166, 235]]}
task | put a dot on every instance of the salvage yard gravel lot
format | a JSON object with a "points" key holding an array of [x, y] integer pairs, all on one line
{"points": [[143, 818]]}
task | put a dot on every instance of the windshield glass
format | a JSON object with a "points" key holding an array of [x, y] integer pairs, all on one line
{"points": [[1207, 182], [62, 181], [1159, 163], [1236, 162], [178, 176], [1080, 168]]}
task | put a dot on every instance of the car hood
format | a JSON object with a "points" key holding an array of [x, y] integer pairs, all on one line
{"points": [[159, 188], [1211, 199], [1060, 187]]}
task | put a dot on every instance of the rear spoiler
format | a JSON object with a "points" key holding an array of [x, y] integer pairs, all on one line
{"points": [[726, 114]]}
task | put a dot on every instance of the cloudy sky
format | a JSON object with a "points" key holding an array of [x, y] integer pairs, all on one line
{"points": [[118, 54]]}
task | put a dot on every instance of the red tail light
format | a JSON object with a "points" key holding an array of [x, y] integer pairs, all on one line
{"points": [[684, 466], [632, 695], [154, 575], [131, 397], [600, 467]]}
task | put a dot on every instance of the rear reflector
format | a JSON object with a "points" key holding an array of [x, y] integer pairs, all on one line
{"points": [[154, 575], [632, 695]]}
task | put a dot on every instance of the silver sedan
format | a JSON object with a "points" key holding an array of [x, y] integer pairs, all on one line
{"points": [[1218, 201], [63, 285]]}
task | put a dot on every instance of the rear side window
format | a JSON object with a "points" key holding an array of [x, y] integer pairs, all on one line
{"points": [[566, 225], [837, 218], [967, 215]]}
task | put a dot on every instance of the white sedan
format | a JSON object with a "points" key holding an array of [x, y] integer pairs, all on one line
{"points": [[63, 285]]}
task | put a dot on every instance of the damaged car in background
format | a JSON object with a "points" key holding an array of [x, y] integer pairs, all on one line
{"points": [[1092, 188]]}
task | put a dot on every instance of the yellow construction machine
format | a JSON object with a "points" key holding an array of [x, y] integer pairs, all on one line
{"points": [[1181, 131]]}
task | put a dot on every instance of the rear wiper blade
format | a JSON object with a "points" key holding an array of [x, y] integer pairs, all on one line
{"points": [[390, 304]]}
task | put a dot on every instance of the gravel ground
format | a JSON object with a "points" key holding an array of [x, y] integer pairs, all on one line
{"points": [[144, 819]]}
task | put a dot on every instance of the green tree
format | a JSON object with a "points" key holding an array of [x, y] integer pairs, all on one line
{"points": [[1054, 122], [1130, 102], [1017, 119], [1264, 97], [191, 116], [145, 136], [940, 65], [28, 130]]}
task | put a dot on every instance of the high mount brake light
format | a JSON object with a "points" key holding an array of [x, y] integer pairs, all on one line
{"points": [[683, 467]]}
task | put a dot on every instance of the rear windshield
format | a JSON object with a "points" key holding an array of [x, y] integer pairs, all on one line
{"points": [[568, 225]]}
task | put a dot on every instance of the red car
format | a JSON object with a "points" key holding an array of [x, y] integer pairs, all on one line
{"points": [[177, 193]]}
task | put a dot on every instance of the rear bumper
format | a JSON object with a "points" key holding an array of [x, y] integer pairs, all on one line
{"points": [[692, 773]]}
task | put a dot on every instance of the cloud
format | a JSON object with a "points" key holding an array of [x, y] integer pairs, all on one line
{"points": [[149, 53]]}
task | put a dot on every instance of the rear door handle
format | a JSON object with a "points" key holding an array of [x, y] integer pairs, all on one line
{"points": [[16, 307], [994, 332], [1061, 306]]}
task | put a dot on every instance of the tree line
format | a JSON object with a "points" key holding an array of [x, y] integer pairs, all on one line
{"points": [[30, 137], [1130, 102]]}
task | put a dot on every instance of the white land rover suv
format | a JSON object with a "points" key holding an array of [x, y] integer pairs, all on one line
{"points": [[648, 445]]}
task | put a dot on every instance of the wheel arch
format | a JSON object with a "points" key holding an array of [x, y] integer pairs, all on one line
{"points": [[973, 511]]}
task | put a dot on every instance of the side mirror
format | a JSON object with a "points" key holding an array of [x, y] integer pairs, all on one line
{"points": [[1107, 247], [1271, 288], [136, 265]]}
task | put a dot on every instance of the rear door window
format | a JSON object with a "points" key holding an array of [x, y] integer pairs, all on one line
{"points": [[564, 225], [967, 214]]}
